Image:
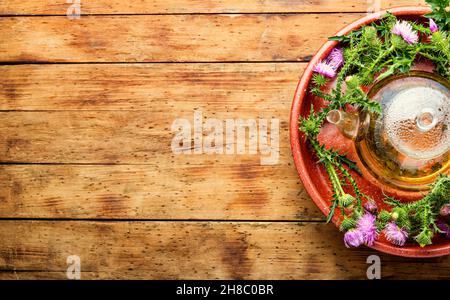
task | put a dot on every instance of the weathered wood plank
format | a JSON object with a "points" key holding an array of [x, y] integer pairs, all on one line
{"points": [[171, 38], [192, 250], [216, 87], [12, 7], [168, 186], [164, 191], [134, 136], [120, 137], [222, 186], [151, 96]]}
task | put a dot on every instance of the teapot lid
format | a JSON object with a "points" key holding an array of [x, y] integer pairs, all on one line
{"points": [[416, 117]]}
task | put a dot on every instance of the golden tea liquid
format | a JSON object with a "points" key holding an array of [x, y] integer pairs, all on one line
{"points": [[408, 145]]}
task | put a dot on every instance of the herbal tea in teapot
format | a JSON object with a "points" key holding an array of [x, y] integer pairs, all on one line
{"points": [[407, 145]]}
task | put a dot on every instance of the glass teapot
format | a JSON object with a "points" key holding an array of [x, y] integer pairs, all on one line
{"points": [[408, 145]]}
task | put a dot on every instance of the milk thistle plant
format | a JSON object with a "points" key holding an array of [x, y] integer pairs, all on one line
{"points": [[371, 53]]}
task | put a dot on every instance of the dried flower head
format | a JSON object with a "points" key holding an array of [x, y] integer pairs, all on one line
{"points": [[353, 238], [405, 30], [331, 64], [366, 224], [396, 235], [336, 58], [325, 69]]}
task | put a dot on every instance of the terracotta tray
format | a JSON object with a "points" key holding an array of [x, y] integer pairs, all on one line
{"points": [[314, 176]]}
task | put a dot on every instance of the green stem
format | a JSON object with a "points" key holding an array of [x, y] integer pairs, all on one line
{"points": [[379, 58], [328, 163]]}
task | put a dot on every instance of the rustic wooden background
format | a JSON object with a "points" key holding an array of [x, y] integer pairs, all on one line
{"points": [[86, 165]]}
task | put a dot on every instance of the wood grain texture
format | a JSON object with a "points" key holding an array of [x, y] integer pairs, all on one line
{"points": [[194, 250], [215, 88], [245, 191], [167, 186], [170, 38], [141, 102], [92, 141], [14, 7], [112, 137]]}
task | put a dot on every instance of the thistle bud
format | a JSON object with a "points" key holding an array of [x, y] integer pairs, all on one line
{"points": [[424, 238], [433, 26], [347, 224], [398, 42], [353, 81], [370, 34], [346, 200], [385, 216], [394, 216], [371, 206]]}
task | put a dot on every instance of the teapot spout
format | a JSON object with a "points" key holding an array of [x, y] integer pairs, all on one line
{"points": [[348, 123]]}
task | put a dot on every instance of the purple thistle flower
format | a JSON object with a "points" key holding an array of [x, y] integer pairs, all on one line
{"points": [[353, 238], [336, 58], [405, 30], [366, 224], [445, 210], [331, 64], [396, 235], [325, 69], [442, 225], [371, 206], [433, 26]]}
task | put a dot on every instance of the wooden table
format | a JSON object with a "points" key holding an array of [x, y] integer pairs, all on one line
{"points": [[85, 142]]}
